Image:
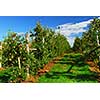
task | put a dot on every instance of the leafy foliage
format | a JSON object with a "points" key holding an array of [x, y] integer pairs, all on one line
{"points": [[48, 44], [77, 45], [89, 38], [12, 75], [43, 47]]}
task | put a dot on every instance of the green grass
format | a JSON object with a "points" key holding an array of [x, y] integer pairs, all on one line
{"points": [[79, 72]]}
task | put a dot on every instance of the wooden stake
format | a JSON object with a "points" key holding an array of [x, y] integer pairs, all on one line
{"points": [[27, 45], [43, 41], [19, 64], [27, 68], [98, 41], [27, 48], [0, 54], [98, 44]]}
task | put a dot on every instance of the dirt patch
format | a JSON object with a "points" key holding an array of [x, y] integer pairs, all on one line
{"points": [[1, 69], [46, 69], [94, 68]]}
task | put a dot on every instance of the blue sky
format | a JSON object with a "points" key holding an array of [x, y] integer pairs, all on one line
{"points": [[25, 23]]}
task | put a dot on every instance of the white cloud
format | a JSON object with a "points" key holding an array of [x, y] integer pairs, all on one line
{"points": [[20, 33], [73, 28]]}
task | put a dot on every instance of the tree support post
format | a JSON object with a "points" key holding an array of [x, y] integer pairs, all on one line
{"points": [[98, 45], [27, 48], [0, 54], [19, 64]]}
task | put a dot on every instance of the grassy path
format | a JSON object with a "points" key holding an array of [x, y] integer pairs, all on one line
{"points": [[64, 71]]}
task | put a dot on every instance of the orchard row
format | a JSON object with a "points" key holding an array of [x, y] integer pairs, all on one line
{"points": [[26, 53]]}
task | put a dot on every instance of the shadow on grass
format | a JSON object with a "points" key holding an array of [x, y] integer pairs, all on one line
{"points": [[72, 56], [73, 60], [77, 77], [4, 79]]}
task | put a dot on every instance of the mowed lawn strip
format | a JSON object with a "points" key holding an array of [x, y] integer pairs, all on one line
{"points": [[78, 73]]}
